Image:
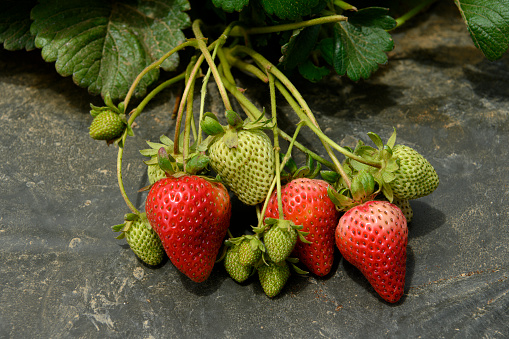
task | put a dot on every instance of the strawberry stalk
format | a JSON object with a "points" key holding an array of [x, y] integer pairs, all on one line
{"points": [[413, 12], [276, 144], [240, 31], [302, 103], [344, 6], [205, 52], [253, 113], [278, 173], [191, 74], [154, 65], [136, 112]]}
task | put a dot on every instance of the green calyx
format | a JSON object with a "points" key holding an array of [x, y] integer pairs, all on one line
{"points": [[163, 162], [310, 170], [251, 249], [211, 126], [362, 190]]}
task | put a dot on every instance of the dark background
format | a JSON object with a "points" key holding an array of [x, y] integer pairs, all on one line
{"points": [[64, 275]]}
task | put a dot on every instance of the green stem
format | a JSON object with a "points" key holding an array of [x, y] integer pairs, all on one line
{"points": [[344, 6], [217, 50], [272, 91], [187, 126], [203, 48], [152, 94], [274, 181], [119, 176], [189, 85], [319, 133], [413, 12], [283, 79], [133, 116], [254, 113], [288, 27], [154, 65], [245, 67]]}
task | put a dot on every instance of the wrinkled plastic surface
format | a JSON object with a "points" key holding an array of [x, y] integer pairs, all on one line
{"points": [[63, 273]]}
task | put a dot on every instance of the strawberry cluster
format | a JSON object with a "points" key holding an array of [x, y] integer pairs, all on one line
{"points": [[359, 206]]}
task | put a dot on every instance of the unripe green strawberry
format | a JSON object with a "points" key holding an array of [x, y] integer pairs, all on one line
{"points": [[233, 266], [279, 242], [249, 256], [415, 177], [247, 169], [405, 207], [143, 240], [273, 277], [155, 173], [107, 125]]}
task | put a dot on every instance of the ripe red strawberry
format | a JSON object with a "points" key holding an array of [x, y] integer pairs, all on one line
{"points": [[306, 203], [191, 216], [373, 237]]}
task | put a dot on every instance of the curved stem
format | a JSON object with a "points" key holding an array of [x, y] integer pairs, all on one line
{"points": [[133, 116], [189, 85], [272, 91], [413, 12], [205, 52], [152, 66], [119, 176], [283, 164], [254, 113], [289, 27], [152, 94]]}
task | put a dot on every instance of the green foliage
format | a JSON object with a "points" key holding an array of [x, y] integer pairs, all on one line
{"points": [[15, 24], [488, 24], [361, 42], [105, 45], [230, 5], [291, 9]]}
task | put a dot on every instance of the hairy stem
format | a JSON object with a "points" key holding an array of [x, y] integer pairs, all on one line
{"points": [[288, 27], [272, 91], [413, 12], [154, 65], [254, 113], [205, 52]]}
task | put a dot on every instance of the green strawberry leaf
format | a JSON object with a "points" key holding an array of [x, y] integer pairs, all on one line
{"points": [[361, 42], [311, 72], [291, 9], [297, 50], [104, 45], [488, 24], [15, 24], [230, 5]]}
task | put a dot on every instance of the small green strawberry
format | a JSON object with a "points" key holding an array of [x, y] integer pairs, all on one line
{"points": [[405, 207], [234, 267], [280, 240], [402, 173], [250, 250], [107, 125], [142, 239], [243, 156], [273, 277], [415, 176]]}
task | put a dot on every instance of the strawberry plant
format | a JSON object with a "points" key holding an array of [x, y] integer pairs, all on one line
{"points": [[355, 200]]}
